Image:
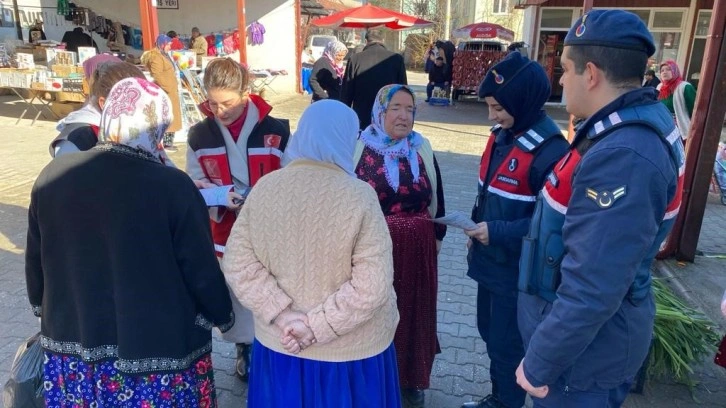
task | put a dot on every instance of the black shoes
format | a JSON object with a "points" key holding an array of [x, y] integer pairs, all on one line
{"points": [[412, 398], [244, 361], [487, 402]]}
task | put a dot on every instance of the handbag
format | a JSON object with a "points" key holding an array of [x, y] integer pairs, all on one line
{"points": [[24, 389]]}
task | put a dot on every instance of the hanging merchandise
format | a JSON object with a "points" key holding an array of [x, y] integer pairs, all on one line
{"points": [[219, 44], [71, 11], [63, 9], [136, 39], [231, 42], [256, 33]]}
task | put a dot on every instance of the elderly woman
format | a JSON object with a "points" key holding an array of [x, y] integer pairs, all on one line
{"points": [[327, 76], [162, 70], [400, 165], [317, 275], [129, 295]]}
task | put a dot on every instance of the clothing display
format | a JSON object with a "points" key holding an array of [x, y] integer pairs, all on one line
{"points": [[256, 33]]}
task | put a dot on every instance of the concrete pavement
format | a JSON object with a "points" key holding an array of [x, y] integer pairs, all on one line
{"points": [[458, 135]]}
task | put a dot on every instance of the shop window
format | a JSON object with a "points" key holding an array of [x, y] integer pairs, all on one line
{"points": [[666, 48], [704, 19], [667, 19], [500, 6], [556, 18], [643, 14]]}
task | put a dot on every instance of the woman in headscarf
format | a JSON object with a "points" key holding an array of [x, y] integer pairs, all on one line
{"points": [[400, 165], [521, 151], [327, 76], [310, 256], [129, 295], [677, 95], [162, 70], [79, 130]]}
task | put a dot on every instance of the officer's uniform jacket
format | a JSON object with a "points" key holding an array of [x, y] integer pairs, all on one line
{"points": [[586, 308], [511, 173]]}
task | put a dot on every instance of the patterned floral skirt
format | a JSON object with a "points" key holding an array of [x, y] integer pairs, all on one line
{"points": [[69, 382]]}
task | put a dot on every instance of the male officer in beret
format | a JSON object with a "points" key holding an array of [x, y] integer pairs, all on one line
{"points": [[585, 308]]}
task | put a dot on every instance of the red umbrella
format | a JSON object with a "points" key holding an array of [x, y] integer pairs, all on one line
{"points": [[368, 16], [483, 31]]}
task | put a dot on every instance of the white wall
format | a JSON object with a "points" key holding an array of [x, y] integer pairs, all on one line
{"points": [[278, 17]]}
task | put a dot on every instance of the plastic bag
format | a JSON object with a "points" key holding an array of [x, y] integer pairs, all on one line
{"points": [[24, 389], [723, 304]]}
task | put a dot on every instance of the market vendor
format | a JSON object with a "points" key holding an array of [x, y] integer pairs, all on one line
{"points": [[199, 45]]}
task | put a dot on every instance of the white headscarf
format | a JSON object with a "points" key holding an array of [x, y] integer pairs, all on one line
{"points": [[327, 132]]}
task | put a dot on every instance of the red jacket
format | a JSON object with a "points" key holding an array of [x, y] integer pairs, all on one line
{"points": [[264, 152]]}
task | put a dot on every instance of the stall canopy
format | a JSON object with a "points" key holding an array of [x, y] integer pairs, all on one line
{"points": [[369, 16], [483, 31]]}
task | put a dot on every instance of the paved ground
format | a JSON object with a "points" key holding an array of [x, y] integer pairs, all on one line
{"points": [[461, 371]]}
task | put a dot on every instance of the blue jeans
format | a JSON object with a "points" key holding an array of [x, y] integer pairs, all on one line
{"points": [[496, 317], [559, 397], [430, 88]]}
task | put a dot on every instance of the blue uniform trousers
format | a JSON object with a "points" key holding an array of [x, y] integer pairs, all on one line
{"points": [[595, 397], [497, 324]]}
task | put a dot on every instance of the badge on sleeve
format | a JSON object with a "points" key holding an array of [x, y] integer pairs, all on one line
{"points": [[605, 199]]}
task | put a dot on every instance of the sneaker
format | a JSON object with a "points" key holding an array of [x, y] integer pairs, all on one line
{"points": [[244, 361]]}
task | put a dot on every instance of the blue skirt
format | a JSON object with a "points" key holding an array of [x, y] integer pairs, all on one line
{"points": [[280, 380]]}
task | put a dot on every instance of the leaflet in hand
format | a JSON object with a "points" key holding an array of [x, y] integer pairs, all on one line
{"points": [[216, 196], [457, 219]]}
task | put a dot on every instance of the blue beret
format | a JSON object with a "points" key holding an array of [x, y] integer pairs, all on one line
{"points": [[611, 28]]}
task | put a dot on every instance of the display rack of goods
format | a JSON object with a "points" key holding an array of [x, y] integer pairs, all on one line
{"points": [[470, 67]]}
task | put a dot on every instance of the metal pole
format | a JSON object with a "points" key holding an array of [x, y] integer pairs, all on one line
{"points": [[704, 134], [299, 40], [149, 23], [447, 21], [17, 20], [242, 29]]}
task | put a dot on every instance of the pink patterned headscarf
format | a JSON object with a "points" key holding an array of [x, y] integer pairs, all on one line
{"points": [[136, 114]]}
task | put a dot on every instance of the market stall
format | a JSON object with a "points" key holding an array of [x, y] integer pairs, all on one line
{"points": [[46, 79]]}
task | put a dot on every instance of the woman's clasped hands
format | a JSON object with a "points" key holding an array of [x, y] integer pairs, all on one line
{"points": [[296, 332]]}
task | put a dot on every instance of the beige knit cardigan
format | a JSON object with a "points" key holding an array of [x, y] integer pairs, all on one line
{"points": [[313, 238]]}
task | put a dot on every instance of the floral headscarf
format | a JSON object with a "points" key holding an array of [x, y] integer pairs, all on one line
{"points": [[333, 48], [375, 137], [136, 114], [668, 87]]}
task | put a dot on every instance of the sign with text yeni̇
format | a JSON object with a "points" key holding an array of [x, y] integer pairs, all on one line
{"points": [[167, 4]]}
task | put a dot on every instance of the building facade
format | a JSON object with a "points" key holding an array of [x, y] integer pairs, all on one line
{"points": [[502, 12], [679, 28]]}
